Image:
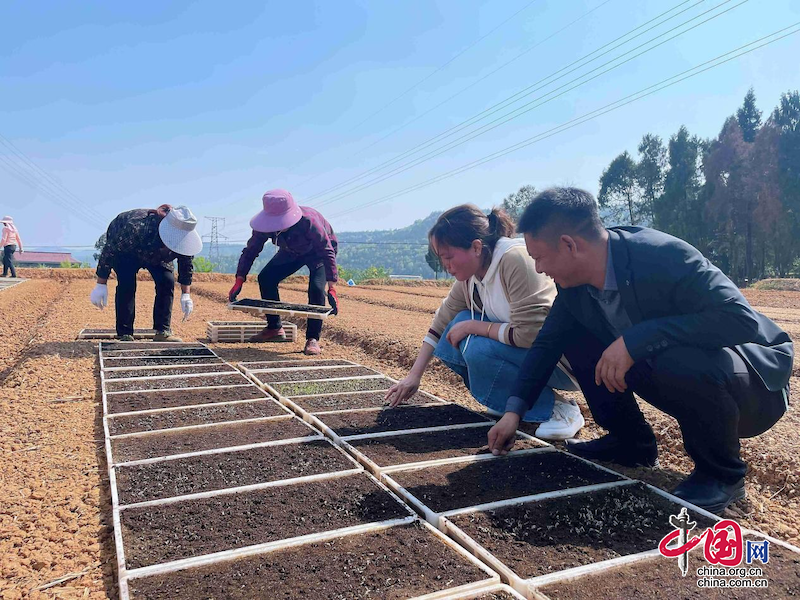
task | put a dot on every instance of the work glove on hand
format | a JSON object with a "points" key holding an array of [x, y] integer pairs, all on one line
{"points": [[333, 300], [99, 296], [237, 287], [187, 306]]}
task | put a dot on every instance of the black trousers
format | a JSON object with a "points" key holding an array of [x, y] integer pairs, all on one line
{"points": [[8, 260], [125, 298], [714, 395], [279, 268]]}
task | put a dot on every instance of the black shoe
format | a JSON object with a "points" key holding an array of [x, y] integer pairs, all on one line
{"points": [[610, 448], [708, 492]]}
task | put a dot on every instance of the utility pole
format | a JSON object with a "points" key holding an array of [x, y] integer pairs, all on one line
{"points": [[214, 236]]}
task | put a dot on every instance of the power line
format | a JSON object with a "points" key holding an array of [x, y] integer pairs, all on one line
{"points": [[213, 249], [521, 94], [701, 68], [418, 83]]}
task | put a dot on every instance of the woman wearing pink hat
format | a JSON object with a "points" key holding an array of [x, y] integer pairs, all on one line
{"points": [[304, 239], [9, 242]]}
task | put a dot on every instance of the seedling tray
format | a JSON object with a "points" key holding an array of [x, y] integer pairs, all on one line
{"points": [[188, 440], [242, 331], [117, 346], [166, 382], [128, 372], [297, 375], [457, 485], [111, 363], [287, 364], [566, 529], [199, 415], [97, 333], [497, 591], [392, 563], [363, 422], [382, 452], [357, 400], [330, 386], [157, 352], [274, 307], [260, 464], [124, 402], [640, 578], [188, 528]]}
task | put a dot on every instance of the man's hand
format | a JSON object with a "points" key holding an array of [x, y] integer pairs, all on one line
{"points": [[459, 331], [503, 435], [402, 390], [187, 306], [612, 367], [99, 296], [237, 287]]}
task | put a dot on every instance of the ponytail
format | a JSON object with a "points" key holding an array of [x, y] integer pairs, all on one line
{"points": [[461, 225]]}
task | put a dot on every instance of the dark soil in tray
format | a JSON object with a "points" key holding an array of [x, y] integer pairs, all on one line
{"points": [[402, 417], [537, 538], [448, 487], [207, 438], [177, 370], [331, 387], [176, 382], [159, 351], [115, 345], [660, 577], [134, 401], [286, 364], [110, 330], [275, 305], [313, 374], [189, 528], [155, 362], [392, 564], [328, 402], [498, 596], [214, 413], [191, 475], [433, 445]]}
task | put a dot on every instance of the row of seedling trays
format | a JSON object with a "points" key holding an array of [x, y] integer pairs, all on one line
{"points": [[548, 522], [219, 491]]}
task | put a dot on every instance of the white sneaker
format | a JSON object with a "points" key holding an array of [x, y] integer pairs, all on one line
{"points": [[565, 422]]}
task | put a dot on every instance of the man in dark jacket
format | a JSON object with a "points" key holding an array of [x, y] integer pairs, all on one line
{"points": [[304, 239], [148, 239], [641, 311]]}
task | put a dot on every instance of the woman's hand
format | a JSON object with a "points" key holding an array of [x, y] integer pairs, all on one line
{"points": [[461, 330], [402, 390]]}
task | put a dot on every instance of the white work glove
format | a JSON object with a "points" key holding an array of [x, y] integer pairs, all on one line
{"points": [[99, 296], [187, 306]]}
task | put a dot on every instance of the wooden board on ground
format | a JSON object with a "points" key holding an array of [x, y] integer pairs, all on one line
{"points": [[284, 309], [241, 331]]}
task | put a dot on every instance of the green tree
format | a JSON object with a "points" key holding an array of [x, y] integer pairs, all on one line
{"points": [[619, 191], [749, 117], [434, 262], [99, 245], [786, 118], [515, 203], [650, 172], [202, 264]]}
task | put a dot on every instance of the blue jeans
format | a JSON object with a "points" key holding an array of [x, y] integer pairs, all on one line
{"points": [[489, 369]]}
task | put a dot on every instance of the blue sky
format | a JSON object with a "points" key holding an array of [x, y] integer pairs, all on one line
{"points": [[209, 104]]}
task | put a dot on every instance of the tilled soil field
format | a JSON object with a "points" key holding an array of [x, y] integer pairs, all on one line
{"points": [[55, 529]]}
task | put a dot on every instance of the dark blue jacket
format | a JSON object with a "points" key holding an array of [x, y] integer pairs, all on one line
{"points": [[674, 297]]}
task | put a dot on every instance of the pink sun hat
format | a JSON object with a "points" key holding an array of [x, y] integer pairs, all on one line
{"points": [[280, 212]]}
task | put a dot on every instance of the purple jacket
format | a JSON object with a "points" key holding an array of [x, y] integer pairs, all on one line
{"points": [[312, 236]]}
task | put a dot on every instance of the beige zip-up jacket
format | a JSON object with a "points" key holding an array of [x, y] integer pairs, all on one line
{"points": [[511, 293]]}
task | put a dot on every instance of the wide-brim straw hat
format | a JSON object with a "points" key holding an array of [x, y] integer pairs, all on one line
{"points": [[280, 212], [7, 219], [178, 231]]}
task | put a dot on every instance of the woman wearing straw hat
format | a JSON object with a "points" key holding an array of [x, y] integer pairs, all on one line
{"points": [[304, 239], [148, 239], [9, 242]]}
